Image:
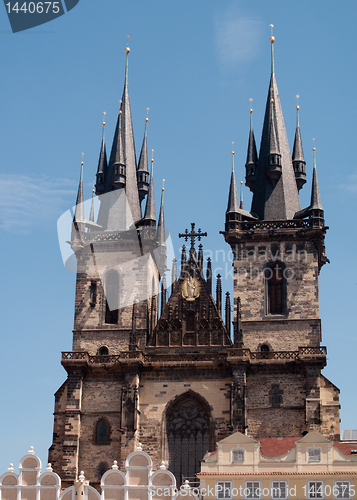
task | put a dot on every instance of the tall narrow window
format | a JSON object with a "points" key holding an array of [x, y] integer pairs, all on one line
{"points": [[275, 284], [112, 298], [102, 432], [275, 396]]}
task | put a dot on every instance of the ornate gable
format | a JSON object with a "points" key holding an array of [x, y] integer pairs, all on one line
{"points": [[190, 317]]}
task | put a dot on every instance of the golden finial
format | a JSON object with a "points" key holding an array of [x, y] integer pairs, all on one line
{"points": [[251, 109], [232, 145], [82, 159], [120, 112], [127, 50], [272, 37], [271, 100], [93, 187], [147, 115], [314, 149], [297, 102], [152, 156], [104, 113], [163, 185]]}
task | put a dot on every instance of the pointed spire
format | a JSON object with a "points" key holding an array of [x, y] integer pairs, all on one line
{"points": [[123, 154], [150, 202], [219, 294], [163, 292], [315, 191], [275, 195], [241, 206], [161, 224], [103, 162], [143, 171], [298, 154], [233, 205], [200, 257], [209, 274], [183, 256], [91, 215], [173, 274], [161, 251], [252, 156], [228, 313], [79, 210]]}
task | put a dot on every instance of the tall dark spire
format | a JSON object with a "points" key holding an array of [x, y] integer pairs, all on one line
{"points": [[123, 153], [161, 251], [161, 224], [315, 191], [150, 217], [275, 192], [78, 225], [117, 161], [233, 205], [241, 205], [91, 215], [252, 157], [143, 171], [79, 210], [103, 162], [298, 154]]}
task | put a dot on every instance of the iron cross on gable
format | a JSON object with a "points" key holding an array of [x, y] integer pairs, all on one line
{"points": [[192, 235]]}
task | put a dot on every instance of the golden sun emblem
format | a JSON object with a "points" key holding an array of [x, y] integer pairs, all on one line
{"points": [[190, 288]]}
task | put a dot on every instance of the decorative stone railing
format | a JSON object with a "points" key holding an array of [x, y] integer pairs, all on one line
{"points": [[277, 224], [182, 357]]}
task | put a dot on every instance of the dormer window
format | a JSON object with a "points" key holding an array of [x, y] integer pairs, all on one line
{"points": [[238, 456], [314, 455]]}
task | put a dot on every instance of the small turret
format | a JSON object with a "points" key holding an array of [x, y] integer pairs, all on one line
{"points": [[103, 162], [233, 205], [315, 208], [298, 154], [143, 171], [252, 157]]}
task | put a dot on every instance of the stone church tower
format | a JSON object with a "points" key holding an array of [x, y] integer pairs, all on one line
{"points": [[182, 381]]}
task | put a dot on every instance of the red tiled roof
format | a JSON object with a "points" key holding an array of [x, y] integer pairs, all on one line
{"points": [[274, 447], [346, 448]]}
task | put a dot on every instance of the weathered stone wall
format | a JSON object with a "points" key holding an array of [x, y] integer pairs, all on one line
{"points": [[281, 335], [301, 274], [330, 409], [265, 420]]}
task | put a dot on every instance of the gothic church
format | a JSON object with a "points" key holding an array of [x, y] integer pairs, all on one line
{"points": [[179, 381]]}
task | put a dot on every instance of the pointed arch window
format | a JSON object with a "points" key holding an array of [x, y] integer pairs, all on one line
{"points": [[102, 432], [112, 298], [275, 288]]}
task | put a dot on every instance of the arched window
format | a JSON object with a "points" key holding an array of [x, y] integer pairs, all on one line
{"points": [[102, 432], [275, 288], [275, 401], [112, 298], [103, 351]]}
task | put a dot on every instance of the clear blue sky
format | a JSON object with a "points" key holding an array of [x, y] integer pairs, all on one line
{"points": [[195, 64]]}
